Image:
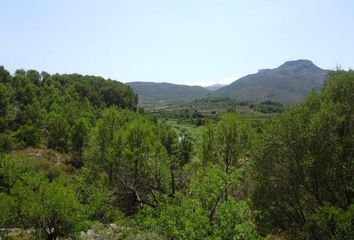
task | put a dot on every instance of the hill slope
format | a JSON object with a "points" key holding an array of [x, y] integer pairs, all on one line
{"points": [[289, 83], [215, 87], [167, 92]]}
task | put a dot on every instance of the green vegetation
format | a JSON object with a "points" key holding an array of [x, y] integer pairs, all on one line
{"points": [[209, 109], [162, 94], [303, 165], [268, 107], [78, 160], [42, 109]]}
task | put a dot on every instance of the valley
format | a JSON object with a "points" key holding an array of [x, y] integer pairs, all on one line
{"points": [[82, 156]]}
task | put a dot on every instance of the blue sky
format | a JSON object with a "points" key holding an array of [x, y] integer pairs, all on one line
{"points": [[183, 41]]}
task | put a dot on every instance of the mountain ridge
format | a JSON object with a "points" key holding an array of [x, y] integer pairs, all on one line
{"points": [[215, 86], [169, 92], [289, 83]]}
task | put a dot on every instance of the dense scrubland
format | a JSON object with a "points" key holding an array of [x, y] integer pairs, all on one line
{"points": [[80, 160]]}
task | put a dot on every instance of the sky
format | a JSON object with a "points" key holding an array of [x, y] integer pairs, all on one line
{"points": [[194, 42]]}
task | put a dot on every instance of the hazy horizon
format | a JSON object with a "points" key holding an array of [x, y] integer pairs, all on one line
{"points": [[184, 42]]}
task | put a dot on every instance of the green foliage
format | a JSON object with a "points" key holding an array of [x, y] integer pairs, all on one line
{"points": [[304, 160], [331, 222], [96, 198], [185, 149], [268, 107], [6, 114], [7, 206], [125, 147], [207, 211], [46, 106], [29, 135], [179, 151], [6, 141], [28, 199], [48, 202], [234, 220], [11, 169], [226, 143], [178, 218], [58, 131], [5, 76], [50, 208], [78, 135]]}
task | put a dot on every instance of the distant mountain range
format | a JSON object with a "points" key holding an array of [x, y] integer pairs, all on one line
{"points": [[215, 87], [167, 92], [290, 83]]}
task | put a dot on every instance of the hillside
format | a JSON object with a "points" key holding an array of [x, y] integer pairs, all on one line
{"points": [[289, 83], [40, 109], [215, 87], [166, 92]]}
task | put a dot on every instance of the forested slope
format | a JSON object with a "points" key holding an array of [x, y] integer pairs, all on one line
{"points": [[167, 92], [39, 109]]}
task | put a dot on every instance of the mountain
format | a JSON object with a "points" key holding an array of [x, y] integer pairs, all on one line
{"points": [[215, 87], [166, 92], [289, 83]]}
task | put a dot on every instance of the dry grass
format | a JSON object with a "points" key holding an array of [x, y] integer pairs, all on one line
{"points": [[47, 160]]}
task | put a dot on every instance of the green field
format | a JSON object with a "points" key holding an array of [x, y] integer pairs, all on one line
{"points": [[199, 111]]}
